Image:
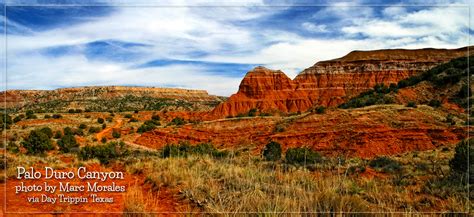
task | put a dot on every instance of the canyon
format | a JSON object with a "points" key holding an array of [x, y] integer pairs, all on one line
{"points": [[330, 83]]}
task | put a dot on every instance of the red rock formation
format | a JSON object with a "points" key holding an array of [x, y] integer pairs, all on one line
{"points": [[330, 83], [365, 132]]}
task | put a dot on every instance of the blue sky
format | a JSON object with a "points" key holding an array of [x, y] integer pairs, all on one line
{"points": [[208, 45]]}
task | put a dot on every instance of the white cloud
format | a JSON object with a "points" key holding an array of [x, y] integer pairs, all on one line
{"points": [[314, 28], [173, 32]]}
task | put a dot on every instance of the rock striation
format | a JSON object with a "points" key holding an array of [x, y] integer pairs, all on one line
{"points": [[332, 82]]}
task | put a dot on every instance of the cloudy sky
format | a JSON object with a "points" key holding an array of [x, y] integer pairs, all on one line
{"points": [[206, 45]]}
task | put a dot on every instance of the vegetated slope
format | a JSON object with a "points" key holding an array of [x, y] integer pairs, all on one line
{"points": [[443, 85], [109, 98], [367, 132], [330, 83]]}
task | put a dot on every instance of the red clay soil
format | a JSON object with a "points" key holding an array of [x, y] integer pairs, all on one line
{"points": [[107, 132], [384, 130], [15, 203], [32, 122]]}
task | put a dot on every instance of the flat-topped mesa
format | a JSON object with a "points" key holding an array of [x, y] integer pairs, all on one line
{"points": [[75, 95], [332, 82]]}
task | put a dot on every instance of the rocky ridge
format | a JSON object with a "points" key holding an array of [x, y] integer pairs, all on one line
{"points": [[332, 82]]}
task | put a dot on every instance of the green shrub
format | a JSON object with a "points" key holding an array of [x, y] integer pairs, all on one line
{"points": [[18, 118], [30, 114], [148, 126], [82, 126], [57, 116], [133, 120], [37, 142], [5, 121], [128, 116], [272, 151], [94, 129], [155, 117], [302, 156], [104, 126], [450, 119], [411, 104], [320, 109], [47, 131], [177, 121], [58, 134], [100, 120], [104, 153], [116, 134], [67, 130], [462, 162], [252, 112], [103, 140], [68, 142], [385, 164], [434, 103], [71, 111], [47, 116]]}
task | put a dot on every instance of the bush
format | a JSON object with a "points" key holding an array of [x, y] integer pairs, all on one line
{"points": [[58, 134], [67, 130], [450, 119], [18, 118], [68, 142], [57, 116], [302, 156], [155, 117], [82, 126], [100, 120], [148, 126], [127, 116], [320, 110], [104, 153], [47, 131], [252, 112], [465, 91], [385, 164], [462, 162], [5, 121], [133, 120], [116, 134], [177, 121], [434, 103], [71, 111], [104, 126], [272, 151], [47, 116], [30, 115], [37, 142], [94, 129], [411, 104]]}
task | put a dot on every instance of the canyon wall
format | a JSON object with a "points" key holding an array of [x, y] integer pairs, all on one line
{"points": [[332, 82]]}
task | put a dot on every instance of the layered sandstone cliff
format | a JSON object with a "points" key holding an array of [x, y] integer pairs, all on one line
{"points": [[330, 83]]}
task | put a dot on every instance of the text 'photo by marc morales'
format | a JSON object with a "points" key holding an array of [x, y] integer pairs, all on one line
{"points": [[236, 108]]}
